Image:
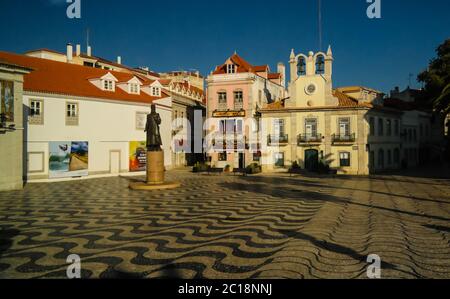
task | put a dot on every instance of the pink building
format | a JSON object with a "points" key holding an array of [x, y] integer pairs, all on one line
{"points": [[236, 91]]}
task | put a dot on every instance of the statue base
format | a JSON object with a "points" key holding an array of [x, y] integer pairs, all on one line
{"points": [[155, 174]]}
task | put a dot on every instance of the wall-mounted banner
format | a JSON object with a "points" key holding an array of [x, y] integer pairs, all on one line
{"points": [[138, 156], [68, 159]]}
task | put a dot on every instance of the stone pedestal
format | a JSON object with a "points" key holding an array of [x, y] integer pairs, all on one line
{"points": [[155, 168], [155, 174]]}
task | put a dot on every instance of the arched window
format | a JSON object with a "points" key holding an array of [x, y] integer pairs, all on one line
{"points": [[320, 65], [301, 66]]}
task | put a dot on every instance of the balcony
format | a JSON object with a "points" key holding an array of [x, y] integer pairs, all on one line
{"points": [[306, 139], [236, 142], [343, 139], [277, 139]]}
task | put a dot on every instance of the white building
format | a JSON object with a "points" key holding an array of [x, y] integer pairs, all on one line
{"points": [[99, 110]]}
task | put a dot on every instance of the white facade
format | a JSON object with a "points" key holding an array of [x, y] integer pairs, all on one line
{"points": [[108, 125]]}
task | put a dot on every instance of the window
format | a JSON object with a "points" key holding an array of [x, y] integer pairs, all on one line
{"points": [[389, 157], [344, 127], [72, 110], [421, 130], [344, 159], [7, 100], [156, 91], [372, 126], [134, 88], [397, 127], [397, 156], [222, 100], [223, 156], [389, 127], [72, 114], [311, 127], [301, 66], [278, 127], [381, 158], [36, 112], [108, 85], [320, 65], [141, 119], [380, 127], [238, 100], [231, 68], [279, 159]]}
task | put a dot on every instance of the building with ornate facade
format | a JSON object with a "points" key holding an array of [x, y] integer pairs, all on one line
{"points": [[236, 90], [351, 129]]}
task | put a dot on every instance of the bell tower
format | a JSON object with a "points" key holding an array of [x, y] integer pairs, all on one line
{"points": [[311, 79]]}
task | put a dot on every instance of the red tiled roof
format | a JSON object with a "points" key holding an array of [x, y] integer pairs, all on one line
{"points": [[242, 66], [192, 88], [70, 79], [345, 100], [274, 76]]}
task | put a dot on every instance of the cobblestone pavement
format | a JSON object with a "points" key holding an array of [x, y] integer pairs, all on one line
{"points": [[228, 226]]}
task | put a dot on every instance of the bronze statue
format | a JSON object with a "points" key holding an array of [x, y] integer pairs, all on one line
{"points": [[152, 128]]}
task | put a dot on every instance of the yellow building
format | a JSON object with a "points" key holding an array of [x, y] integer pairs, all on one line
{"points": [[347, 128]]}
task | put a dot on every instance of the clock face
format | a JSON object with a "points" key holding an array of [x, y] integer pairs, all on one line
{"points": [[310, 89]]}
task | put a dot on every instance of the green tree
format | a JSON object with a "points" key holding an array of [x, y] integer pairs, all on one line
{"points": [[437, 79]]}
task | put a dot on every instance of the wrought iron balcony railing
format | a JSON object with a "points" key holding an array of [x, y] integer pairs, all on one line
{"points": [[309, 138], [277, 139], [345, 138]]}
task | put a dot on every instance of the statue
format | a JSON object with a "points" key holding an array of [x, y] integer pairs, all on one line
{"points": [[155, 158], [152, 129]]}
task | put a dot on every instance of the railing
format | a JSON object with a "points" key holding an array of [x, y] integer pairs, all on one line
{"points": [[309, 138], [346, 138], [277, 139]]}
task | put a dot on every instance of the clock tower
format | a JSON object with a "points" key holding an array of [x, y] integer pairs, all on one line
{"points": [[311, 80]]}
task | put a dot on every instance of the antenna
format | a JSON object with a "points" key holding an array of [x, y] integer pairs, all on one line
{"points": [[320, 24], [87, 37], [409, 79]]}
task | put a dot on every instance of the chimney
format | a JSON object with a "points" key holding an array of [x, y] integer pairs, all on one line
{"points": [[119, 60], [282, 70], [69, 52], [78, 50], [89, 51]]}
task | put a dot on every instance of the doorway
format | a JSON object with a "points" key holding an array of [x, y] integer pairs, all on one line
{"points": [[312, 160], [114, 162], [241, 160]]}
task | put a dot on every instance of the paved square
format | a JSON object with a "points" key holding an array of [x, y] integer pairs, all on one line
{"points": [[229, 227]]}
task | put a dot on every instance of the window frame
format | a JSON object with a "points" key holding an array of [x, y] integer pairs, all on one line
{"points": [[72, 120], [345, 162], [33, 118]]}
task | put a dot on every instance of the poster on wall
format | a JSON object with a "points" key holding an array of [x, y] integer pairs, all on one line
{"points": [[68, 159], [7, 100], [138, 156]]}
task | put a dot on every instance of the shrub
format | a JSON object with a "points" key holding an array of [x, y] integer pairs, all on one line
{"points": [[253, 168], [200, 167], [295, 166], [323, 167]]}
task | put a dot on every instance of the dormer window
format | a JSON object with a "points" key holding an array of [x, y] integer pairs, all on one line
{"points": [[231, 69], [108, 85], [156, 91], [134, 88]]}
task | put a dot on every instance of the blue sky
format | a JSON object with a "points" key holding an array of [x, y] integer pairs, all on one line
{"points": [[200, 34]]}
